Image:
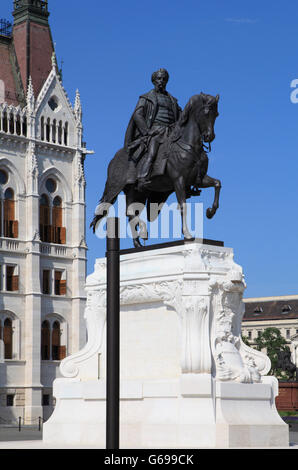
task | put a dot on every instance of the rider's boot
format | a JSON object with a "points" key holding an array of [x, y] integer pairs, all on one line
{"points": [[142, 183], [144, 176], [144, 179]]}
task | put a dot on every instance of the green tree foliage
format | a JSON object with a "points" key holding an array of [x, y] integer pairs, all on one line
{"points": [[272, 342], [245, 340]]}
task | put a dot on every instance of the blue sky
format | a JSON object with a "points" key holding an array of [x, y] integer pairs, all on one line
{"points": [[247, 52]]}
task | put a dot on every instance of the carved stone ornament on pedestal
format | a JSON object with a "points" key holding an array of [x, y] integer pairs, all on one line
{"points": [[185, 370]]}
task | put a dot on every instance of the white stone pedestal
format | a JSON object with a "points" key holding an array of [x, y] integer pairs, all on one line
{"points": [[187, 379]]}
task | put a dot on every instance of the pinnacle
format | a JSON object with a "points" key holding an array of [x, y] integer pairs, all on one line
{"points": [[30, 87], [78, 106], [30, 93]]}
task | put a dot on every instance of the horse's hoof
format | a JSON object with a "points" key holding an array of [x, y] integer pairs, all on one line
{"points": [[137, 243], [189, 239], [143, 234], [188, 236], [210, 213]]}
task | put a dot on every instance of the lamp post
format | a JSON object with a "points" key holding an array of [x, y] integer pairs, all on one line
{"points": [[113, 330]]}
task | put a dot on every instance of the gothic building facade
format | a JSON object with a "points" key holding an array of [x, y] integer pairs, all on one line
{"points": [[42, 216]]}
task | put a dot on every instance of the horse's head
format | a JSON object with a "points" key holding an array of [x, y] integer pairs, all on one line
{"points": [[205, 114], [203, 109]]}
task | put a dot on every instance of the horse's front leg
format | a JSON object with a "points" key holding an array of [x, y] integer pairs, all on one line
{"points": [[179, 186], [208, 182]]}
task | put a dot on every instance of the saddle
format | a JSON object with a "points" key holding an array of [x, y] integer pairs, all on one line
{"points": [[160, 162]]}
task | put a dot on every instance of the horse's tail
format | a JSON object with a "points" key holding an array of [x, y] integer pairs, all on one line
{"points": [[115, 183], [102, 209]]}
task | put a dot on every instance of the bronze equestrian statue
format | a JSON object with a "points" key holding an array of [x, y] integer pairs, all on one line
{"points": [[164, 152]]}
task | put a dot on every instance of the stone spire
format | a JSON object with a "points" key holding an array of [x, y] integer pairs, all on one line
{"points": [[78, 107]]}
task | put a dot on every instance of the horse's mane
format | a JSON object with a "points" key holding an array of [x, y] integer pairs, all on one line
{"points": [[184, 116], [195, 100]]}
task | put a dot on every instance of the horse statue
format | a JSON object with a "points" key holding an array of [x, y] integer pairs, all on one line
{"points": [[180, 166]]}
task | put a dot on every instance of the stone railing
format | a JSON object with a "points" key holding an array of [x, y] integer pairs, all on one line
{"points": [[13, 120], [55, 250], [8, 244]]}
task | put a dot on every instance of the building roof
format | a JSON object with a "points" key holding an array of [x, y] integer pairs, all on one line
{"points": [[26, 50], [271, 308], [12, 92]]}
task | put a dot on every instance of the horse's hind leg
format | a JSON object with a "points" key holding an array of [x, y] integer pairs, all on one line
{"points": [[133, 209], [179, 185], [134, 223]]}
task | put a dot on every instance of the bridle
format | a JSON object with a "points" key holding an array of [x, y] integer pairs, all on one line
{"points": [[207, 149]]}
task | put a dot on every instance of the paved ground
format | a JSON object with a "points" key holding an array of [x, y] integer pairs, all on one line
{"points": [[27, 433], [31, 438], [294, 435]]}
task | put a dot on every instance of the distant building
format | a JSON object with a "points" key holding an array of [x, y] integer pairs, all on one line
{"points": [[279, 312], [42, 216]]}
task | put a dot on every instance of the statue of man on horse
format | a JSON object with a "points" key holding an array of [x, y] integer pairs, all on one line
{"points": [[164, 152]]}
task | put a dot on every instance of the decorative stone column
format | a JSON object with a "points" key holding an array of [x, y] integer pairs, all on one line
{"points": [[187, 379]]}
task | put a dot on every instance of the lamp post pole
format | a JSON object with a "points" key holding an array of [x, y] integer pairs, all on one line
{"points": [[113, 333]]}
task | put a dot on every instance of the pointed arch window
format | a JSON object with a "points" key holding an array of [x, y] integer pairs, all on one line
{"points": [[7, 338], [57, 213], [18, 125], [54, 131], [45, 340], [59, 232], [9, 335], [51, 216], [44, 219], [66, 133], [24, 126], [48, 130], [6, 335], [9, 210], [42, 125], [4, 122], [51, 334], [60, 132], [11, 124], [55, 341], [8, 224]]}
